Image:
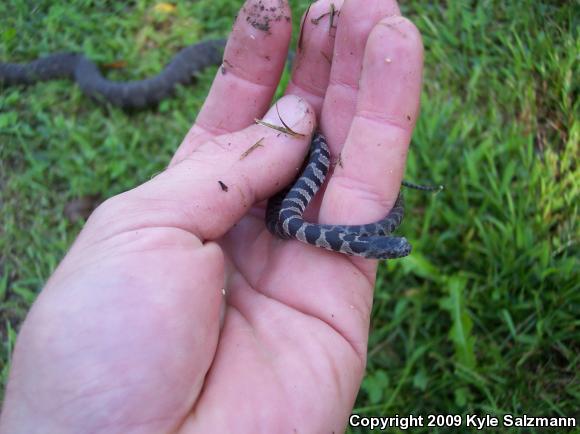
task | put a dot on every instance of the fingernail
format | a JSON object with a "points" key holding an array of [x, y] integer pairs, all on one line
{"points": [[289, 110]]}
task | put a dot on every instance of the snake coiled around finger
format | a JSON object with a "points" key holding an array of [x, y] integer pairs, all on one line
{"points": [[284, 216]]}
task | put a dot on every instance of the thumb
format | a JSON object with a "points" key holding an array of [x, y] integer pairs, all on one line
{"points": [[212, 188]]}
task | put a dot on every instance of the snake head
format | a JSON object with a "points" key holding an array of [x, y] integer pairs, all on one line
{"points": [[388, 248]]}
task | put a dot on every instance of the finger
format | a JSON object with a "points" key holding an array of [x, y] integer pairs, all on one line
{"points": [[314, 52], [365, 186], [357, 18], [253, 62], [210, 190]]}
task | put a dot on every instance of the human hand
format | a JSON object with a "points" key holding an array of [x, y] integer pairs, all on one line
{"points": [[125, 337]]}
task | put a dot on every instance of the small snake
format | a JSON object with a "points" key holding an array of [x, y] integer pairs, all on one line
{"points": [[284, 215]]}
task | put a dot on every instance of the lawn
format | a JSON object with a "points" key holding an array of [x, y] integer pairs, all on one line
{"points": [[483, 317]]}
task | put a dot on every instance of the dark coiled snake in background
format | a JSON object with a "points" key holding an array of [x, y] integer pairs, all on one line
{"points": [[285, 209]]}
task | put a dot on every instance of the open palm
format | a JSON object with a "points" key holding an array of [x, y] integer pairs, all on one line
{"points": [[125, 337]]}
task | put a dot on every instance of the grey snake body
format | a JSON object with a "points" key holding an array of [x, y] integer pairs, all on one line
{"points": [[136, 94], [284, 214]]}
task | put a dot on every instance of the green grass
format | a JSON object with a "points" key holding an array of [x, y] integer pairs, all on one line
{"points": [[484, 317]]}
